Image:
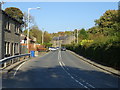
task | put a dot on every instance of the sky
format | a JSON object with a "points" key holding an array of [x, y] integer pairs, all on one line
{"points": [[64, 16]]}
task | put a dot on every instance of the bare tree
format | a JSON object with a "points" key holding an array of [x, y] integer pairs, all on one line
{"points": [[25, 19]]}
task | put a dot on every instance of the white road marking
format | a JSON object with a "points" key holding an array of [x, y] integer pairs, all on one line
{"points": [[58, 55], [18, 68], [63, 66], [25, 62], [72, 76], [90, 85]]}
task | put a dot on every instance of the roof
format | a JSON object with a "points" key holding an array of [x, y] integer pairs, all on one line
{"points": [[60, 38], [11, 17], [23, 37]]}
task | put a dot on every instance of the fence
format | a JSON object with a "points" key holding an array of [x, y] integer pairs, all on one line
{"points": [[11, 60]]}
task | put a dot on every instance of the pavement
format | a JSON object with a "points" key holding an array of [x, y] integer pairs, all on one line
{"points": [[9, 68], [59, 69], [104, 68]]}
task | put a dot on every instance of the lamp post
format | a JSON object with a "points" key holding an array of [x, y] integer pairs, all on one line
{"points": [[42, 36], [29, 25]]}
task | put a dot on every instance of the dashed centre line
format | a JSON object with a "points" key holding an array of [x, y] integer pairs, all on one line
{"points": [[63, 66]]}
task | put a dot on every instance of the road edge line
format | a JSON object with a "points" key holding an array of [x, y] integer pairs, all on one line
{"points": [[94, 64]]}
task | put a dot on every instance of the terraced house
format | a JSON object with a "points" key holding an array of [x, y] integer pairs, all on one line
{"points": [[10, 30]]}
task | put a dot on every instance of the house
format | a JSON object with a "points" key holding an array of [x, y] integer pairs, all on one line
{"points": [[33, 46], [62, 40], [10, 30]]}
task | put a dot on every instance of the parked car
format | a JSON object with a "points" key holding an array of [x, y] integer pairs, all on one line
{"points": [[57, 48], [63, 49], [52, 49]]}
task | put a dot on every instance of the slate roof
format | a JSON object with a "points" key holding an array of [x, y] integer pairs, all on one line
{"points": [[11, 17], [60, 38]]}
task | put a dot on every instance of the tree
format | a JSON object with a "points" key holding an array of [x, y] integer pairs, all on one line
{"points": [[35, 32], [108, 24], [109, 18], [15, 13], [47, 37], [25, 19], [83, 34]]}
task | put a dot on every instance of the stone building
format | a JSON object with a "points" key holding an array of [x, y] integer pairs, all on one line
{"points": [[10, 30], [62, 40]]}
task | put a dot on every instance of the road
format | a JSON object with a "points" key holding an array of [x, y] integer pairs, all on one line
{"points": [[59, 69]]}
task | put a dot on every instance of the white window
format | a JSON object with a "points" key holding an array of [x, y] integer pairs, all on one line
{"points": [[7, 48], [9, 26], [18, 30]]}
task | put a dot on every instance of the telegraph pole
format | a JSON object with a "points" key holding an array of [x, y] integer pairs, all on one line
{"points": [[77, 36], [74, 36], [42, 36], [1, 4]]}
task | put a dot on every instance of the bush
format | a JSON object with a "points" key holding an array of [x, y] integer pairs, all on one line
{"points": [[106, 53]]}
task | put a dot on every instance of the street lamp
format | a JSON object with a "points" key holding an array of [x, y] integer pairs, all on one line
{"points": [[29, 26]]}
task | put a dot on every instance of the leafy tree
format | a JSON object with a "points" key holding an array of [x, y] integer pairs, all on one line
{"points": [[15, 13], [108, 19], [68, 32], [47, 37], [107, 24], [83, 34], [35, 32]]}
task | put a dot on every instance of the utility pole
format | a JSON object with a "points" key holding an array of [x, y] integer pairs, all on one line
{"points": [[29, 26], [42, 36], [74, 36], [59, 42], [1, 4], [77, 36]]}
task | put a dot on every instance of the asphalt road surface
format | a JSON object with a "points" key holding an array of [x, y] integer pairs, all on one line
{"points": [[59, 69]]}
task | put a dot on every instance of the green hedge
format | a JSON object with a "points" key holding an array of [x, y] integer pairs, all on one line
{"points": [[107, 54]]}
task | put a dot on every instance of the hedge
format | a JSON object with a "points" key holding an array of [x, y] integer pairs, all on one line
{"points": [[105, 54]]}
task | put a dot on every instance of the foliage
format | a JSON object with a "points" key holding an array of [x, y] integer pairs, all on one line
{"points": [[82, 34], [34, 32], [15, 13], [47, 37], [48, 45], [37, 33], [25, 19], [109, 18], [104, 44], [84, 42]]}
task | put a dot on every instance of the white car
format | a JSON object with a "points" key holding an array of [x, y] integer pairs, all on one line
{"points": [[52, 49]]}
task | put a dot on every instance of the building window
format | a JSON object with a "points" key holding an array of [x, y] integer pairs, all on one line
{"points": [[7, 25], [16, 48], [7, 48], [17, 29]]}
